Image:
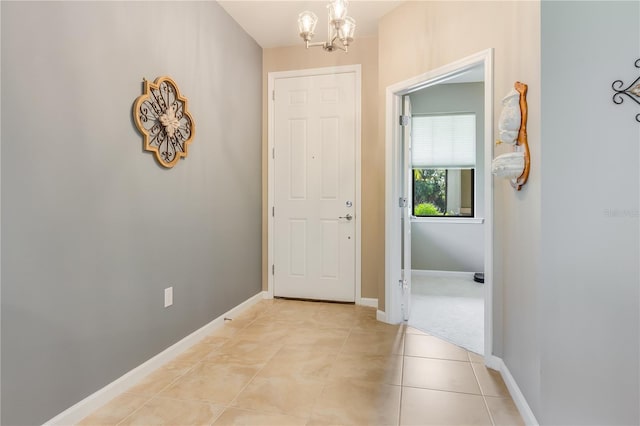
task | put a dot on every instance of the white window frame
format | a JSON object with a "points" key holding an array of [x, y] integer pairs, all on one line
{"points": [[451, 219]]}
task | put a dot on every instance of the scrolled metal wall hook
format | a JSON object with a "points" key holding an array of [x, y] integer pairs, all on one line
{"points": [[632, 91]]}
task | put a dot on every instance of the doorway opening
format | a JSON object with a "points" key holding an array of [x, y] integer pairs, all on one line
{"points": [[446, 208], [452, 206]]}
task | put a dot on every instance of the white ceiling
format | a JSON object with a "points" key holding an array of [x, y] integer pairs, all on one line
{"points": [[274, 23]]}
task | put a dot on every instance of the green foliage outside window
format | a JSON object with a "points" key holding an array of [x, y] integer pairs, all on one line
{"points": [[426, 209], [429, 192]]}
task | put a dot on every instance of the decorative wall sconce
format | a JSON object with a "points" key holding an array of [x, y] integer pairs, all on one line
{"points": [[340, 27], [513, 131], [161, 115], [632, 91]]}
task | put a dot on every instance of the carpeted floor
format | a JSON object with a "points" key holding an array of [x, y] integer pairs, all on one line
{"points": [[449, 308]]}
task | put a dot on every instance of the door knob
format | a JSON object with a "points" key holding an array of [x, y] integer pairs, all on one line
{"points": [[348, 217]]}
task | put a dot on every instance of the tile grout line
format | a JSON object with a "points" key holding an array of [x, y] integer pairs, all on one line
{"points": [[404, 351], [157, 394], [484, 399], [445, 391], [162, 389], [324, 383], [327, 378], [227, 406], [230, 404], [253, 410], [215, 419], [436, 358], [354, 328], [134, 411], [148, 398]]}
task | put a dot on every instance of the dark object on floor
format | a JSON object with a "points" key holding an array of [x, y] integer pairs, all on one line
{"points": [[479, 277]]}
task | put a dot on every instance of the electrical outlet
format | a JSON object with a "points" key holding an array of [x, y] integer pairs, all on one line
{"points": [[168, 297]]}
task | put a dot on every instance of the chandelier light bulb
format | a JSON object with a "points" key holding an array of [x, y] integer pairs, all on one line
{"points": [[307, 24], [337, 11], [346, 30]]}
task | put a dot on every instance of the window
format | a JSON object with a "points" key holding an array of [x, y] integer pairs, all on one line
{"points": [[443, 159], [443, 192]]}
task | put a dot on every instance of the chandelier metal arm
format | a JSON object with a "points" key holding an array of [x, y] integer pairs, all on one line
{"points": [[328, 46], [335, 45], [316, 44]]}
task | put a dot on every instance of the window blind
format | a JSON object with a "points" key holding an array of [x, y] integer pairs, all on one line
{"points": [[443, 141]]}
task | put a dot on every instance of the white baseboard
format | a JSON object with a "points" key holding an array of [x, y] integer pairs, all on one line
{"points": [[368, 301], [381, 316], [498, 364], [493, 362], [82, 409], [442, 274]]}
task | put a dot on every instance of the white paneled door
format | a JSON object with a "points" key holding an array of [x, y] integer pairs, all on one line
{"points": [[314, 187]]}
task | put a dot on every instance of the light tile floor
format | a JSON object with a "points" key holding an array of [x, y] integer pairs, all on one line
{"points": [[287, 362]]}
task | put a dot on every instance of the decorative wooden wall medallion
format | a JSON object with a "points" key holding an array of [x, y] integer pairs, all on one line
{"points": [[161, 115], [632, 91]]}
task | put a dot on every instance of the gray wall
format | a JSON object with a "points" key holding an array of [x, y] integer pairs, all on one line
{"points": [[589, 287], [93, 229], [452, 246]]}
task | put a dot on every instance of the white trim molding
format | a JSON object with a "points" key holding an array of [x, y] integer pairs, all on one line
{"points": [[496, 363], [381, 316], [272, 76], [394, 175], [449, 220], [82, 409], [368, 301], [441, 274]]}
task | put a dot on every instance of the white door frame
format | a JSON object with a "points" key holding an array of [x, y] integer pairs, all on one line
{"points": [[393, 186], [273, 76]]}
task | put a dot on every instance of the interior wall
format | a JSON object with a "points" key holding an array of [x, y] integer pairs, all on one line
{"points": [[418, 37], [363, 51], [590, 294], [93, 229], [437, 245]]}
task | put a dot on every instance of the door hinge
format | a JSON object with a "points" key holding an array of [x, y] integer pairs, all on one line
{"points": [[273, 95], [273, 269], [403, 202], [273, 153], [273, 212], [404, 120]]}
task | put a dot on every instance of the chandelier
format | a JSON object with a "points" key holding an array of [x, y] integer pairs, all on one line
{"points": [[340, 27]]}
